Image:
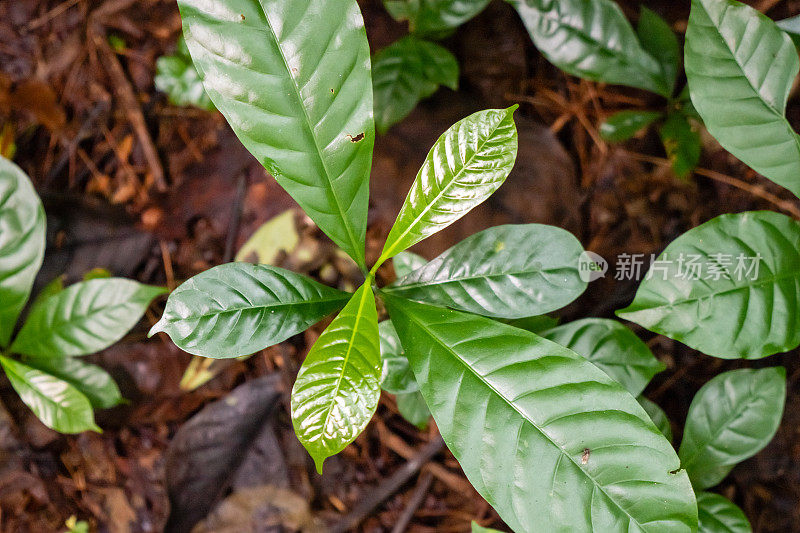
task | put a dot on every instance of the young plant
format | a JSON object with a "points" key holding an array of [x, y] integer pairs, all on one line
{"points": [[592, 39], [540, 431], [177, 77], [62, 323]]}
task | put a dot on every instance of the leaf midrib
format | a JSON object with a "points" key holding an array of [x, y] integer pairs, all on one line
{"points": [[522, 415], [343, 297], [420, 284], [387, 253]]}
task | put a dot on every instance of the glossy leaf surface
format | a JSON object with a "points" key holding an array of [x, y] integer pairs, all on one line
{"points": [[465, 166], [84, 318], [293, 80], [238, 309], [622, 126], [177, 77], [731, 418], [718, 514], [510, 271], [404, 73], [509, 403], [396, 377], [682, 143], [591, 40], [339, 383], [658, 416], [90, 380], [658, 40], [751, 311], [433, 17], [55, 402], [740, 68], [22, 234], [406, 262], [413, 408], [613, 348]]}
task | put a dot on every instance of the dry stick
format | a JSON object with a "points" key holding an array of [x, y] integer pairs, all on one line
{"points": [[414, 502], [387, 487], [124, 91], [755, 190], [236, 218]]}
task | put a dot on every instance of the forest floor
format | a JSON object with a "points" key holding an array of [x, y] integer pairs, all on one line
{"points": [[160, 193]]}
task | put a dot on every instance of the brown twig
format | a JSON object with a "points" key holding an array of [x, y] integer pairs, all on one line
{"points": [[755, 190], [387, 487], [414, 502], [236, 218]]}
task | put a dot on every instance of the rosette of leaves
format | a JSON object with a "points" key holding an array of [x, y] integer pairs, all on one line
{"points": [[42, 361], [292, 78]]}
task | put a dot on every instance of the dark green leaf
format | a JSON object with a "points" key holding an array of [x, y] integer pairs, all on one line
{"points": [[413, 408], [433, 17], [509, 403], [22, 228], [660, 41], [404, 73], [465, 166], [792, 27], [731, 418], [613, 348], [658, 416], [406, 262], [55, 402], [177, 77], [293, 80], [511, 271], [534, 324], [682, 143], [740, 68], [339, 383], [396, 377], [717, 514], [750, 311], [91, 380], [238, 309], [591, 40], [84, 318], [622, 126]]}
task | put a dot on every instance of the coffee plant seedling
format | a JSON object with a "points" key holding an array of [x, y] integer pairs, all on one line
{"points": [[549, 439], [593, 40], [177, 77], [42, 360]]}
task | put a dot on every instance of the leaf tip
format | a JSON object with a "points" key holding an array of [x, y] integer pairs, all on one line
{"points": [[319, 460], [157, 328]]}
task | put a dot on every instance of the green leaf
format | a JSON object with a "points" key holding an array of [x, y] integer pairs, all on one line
{"points": [[55, 402], [274, 236], [90, 380], [238, 309], [433, 17], [682, 143], [293, 80], [55, 286], [731, 418], [591, 40], [508, 403], [658, 40], [404, 73], [622, 126], [740, 68], [22, 234], [413, 408], [480, 529], [658, 416], [750, 311], [396, 377], [339, 383], [613, 348], [406, 262], [717, 514], [177, 77], [534, 324], [792, 28], [84, 318], [511, 271], [465, 166]]}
